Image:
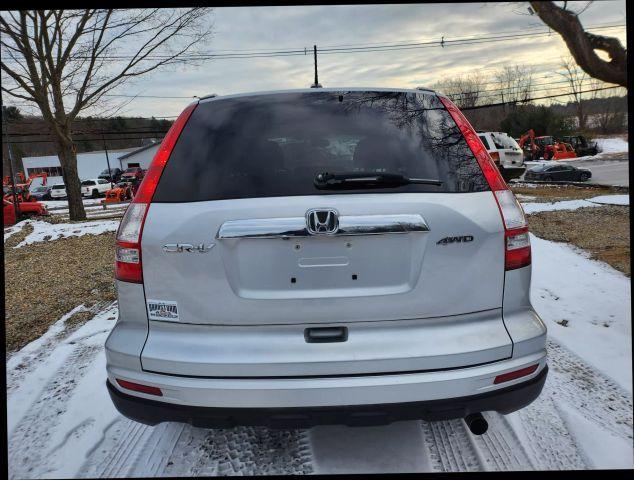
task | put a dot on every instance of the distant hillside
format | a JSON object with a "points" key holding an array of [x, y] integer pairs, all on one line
{"points": [[593, 106], [29, 135]]}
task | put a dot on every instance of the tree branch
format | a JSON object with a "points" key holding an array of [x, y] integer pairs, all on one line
{"points": [[582, 45]]}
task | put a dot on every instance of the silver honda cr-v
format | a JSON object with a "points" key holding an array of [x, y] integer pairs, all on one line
{"points": [[318, 256]]}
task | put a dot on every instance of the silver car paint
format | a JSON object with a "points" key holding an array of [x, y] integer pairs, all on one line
{"points": [[372, 347], [400, 276]]}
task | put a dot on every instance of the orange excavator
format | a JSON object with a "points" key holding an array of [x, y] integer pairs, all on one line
{"points": [[531, 151], [22, 188], [545, 147]]}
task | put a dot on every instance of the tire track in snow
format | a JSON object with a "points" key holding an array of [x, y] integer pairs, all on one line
{"points": [[29, 439], [450, 449], [130, 449], [239, 451], [109, 457], [499, 446]]}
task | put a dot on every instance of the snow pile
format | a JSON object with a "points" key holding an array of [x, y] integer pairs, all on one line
{"points": [[535, 207], [44, 231], [612, 145], [585, 304], [611, 199], [64, 203]]}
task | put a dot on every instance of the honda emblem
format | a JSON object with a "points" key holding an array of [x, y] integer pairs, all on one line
{"points": [[322, 221]]}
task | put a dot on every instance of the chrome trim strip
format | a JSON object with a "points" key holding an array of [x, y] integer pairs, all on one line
{"points": [[296, 226]]}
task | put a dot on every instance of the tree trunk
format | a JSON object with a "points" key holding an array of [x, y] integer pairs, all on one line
{"points": [[68, 161]]}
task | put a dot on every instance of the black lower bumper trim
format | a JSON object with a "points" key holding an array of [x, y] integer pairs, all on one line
{"points": [[504, 401]]}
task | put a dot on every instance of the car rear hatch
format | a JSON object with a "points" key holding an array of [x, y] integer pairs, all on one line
{"points": [[249, 269]]}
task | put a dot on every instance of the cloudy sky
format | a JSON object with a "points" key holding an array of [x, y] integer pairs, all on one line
{"points": [[268, 28]]}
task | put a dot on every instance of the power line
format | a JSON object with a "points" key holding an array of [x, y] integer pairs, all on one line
{"points": [[471, 40], [533, 27], [463, 108], [534, 98]]}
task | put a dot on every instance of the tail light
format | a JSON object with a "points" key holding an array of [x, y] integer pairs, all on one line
{"points": [[128, 265], [517, 245], [496, 157]]}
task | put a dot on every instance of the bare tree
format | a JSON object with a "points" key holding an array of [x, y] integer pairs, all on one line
{"points": [[465, 90], [609, 117], [514, 84], [66, 61], [576, 79], [582, 44]]}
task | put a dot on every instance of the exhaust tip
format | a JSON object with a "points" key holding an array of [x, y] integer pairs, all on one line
{"points": [[476, 423]]}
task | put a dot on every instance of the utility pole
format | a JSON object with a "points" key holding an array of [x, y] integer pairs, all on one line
{"points": [[316, 84], [15, 196], [107, 159]]}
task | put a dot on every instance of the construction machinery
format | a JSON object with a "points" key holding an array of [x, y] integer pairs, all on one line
{"points": [[531, 150], [581, 144], [545, 146], [122, 192], [19, 192], [22, 188]]}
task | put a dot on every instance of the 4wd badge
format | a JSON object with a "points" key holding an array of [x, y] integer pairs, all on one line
{"points": [[162, 310], [460, 239]]}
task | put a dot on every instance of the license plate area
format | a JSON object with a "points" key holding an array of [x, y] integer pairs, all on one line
{"points": [[323, 266]]}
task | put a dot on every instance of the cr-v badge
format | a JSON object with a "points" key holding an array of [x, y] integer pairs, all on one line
{"points": [[187, 247], [460, 239]]}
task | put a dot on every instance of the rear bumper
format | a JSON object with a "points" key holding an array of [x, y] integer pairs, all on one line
{"points": [[505, 400]]}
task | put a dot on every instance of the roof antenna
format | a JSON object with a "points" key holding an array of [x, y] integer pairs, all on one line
{"points": [[316, 84]]}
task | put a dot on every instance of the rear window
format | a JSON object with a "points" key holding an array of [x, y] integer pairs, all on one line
{"points": [[86, 183], [275, 145], [503, 141], [485, 142], [58, 187]]}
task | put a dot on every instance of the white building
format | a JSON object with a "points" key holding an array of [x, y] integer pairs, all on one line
{"points": [[89, 164], [140, 157]]}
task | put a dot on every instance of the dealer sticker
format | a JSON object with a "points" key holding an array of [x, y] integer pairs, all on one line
{"points": [[162, 310]]}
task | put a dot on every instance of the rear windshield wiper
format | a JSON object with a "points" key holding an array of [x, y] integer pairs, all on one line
{"points": [[325, 180]]}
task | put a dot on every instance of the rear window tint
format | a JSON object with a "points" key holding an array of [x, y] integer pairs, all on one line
{"points": [[58, 187], [275, 145], [88, 182], [485, 142], [502, 140]]}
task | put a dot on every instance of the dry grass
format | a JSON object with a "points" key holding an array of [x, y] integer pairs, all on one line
{"points": [[604, 232], [556, 193], [44, 281]]}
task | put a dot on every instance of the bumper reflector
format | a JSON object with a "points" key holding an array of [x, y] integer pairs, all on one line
{"points": [[506, 377], [140, 388]]}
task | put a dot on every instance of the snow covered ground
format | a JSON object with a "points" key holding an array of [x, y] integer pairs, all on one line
{"points": [[612, 145], [44, 231], [535, 207], [62, 424]]}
